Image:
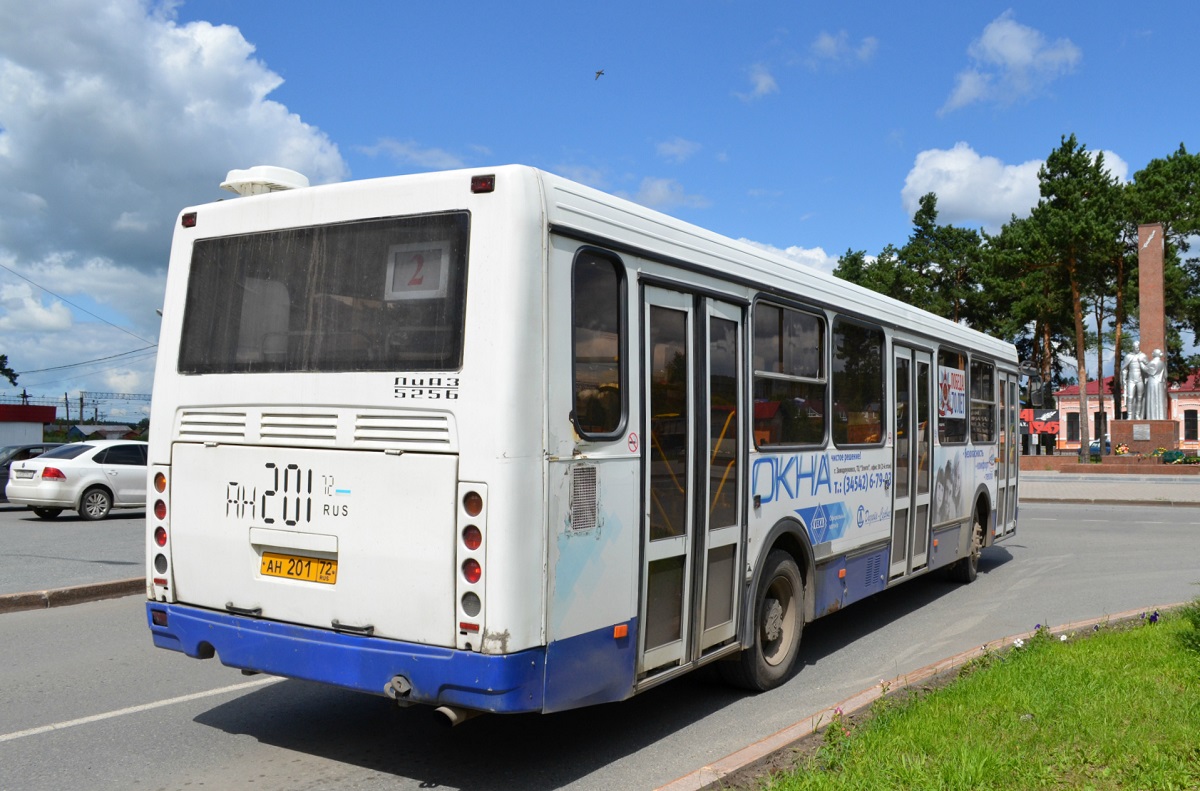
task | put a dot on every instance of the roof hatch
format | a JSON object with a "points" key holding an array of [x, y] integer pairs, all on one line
{"points": [[261, 179]]}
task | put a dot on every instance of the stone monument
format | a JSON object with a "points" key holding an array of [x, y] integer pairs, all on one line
{"points": [[1133, 381], [1144, 378]]}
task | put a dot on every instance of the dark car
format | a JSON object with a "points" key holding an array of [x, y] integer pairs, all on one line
{"points": [[11, 453]]}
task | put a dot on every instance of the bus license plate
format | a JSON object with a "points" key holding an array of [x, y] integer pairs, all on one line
{"points": [[294, 567]]}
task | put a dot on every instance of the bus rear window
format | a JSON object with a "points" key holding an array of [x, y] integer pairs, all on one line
{"points": [[377, 295]]}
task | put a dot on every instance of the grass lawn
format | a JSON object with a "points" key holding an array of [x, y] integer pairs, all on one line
{"points": [[1114, 708]]}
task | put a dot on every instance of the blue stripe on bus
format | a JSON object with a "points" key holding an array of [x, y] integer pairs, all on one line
{"points": [[591, 668], [439, 676], [865, 575]]}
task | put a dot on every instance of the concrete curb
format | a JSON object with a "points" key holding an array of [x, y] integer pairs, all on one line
{"points": [[76, 594], [711, 774]]}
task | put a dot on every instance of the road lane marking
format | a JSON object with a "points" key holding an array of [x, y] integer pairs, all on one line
{"points": [[58, 726]]}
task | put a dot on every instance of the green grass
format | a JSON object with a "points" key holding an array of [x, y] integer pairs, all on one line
{"points": [[1114, 709]]}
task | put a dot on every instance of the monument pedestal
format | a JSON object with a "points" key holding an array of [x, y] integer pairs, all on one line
{"points": [[1144, 436]]}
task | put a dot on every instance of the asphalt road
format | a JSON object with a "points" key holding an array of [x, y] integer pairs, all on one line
{"points": [[39, 553], [90, 703]]}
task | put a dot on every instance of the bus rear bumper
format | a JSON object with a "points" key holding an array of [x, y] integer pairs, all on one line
{"points": [[439, 676]]}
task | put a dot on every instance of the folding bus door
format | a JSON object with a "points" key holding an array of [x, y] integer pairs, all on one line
{"points": [[692, 454], [911, 468], [1006, 455]]}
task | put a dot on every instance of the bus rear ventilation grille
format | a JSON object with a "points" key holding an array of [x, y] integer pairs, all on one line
{"points": [[414, 430], [319, 426], [583, 497], [201, 424]]}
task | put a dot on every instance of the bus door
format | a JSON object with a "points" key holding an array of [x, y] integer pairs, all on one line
{"points": [[1006, 453], [692, 452], [912, 463]]}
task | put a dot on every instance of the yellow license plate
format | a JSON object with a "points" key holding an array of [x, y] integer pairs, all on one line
{"points": [[294, 567]]}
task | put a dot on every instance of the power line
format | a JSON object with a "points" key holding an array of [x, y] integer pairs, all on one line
{"points": [[74, 376], [72, 304], [85, 362]]}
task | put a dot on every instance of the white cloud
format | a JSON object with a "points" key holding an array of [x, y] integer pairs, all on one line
{"points": [[1116, 166], [112, 117], [132, 221], [123, 380], [976, 190], [814, 257], [409, 152], [152, 113], [837, 48], [762, 84], [664, 194], [971, 189], [1009, 62], [584, 174], [25, 312], [677, 149]]}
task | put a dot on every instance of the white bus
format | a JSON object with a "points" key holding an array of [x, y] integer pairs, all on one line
{"points": [[491, 440]]}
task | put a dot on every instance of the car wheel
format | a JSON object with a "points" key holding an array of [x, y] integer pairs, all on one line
{"points": [[778, 620], [47, 513], [96, 504]]}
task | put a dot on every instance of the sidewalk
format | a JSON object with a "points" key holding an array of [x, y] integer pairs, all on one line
{"points": [[1101, 489]]}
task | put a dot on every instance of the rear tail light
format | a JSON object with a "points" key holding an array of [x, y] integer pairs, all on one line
{"points": [[160, 511], [52, 474], [471, 552], [472, 571], [481, 184]]}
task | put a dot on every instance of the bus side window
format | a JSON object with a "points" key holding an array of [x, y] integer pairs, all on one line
{"points": [[983, 402], [789, 376], [952, 397], [857, 384], [598, 370]]}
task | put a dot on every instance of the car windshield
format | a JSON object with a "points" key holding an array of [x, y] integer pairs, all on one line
{"points": [[8, 452], [67, 451]]}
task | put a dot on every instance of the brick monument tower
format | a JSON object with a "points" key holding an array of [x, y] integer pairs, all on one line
{"points": [[1147, 425]]}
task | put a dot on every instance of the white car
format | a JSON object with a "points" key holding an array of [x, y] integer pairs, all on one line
{"points": [[92, 477]]}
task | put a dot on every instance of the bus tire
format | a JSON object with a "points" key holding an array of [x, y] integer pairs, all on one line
{"points": [[966, 569], [778, 622]]}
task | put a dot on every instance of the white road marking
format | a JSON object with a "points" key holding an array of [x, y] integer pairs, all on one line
{"points": [[58, 726]]}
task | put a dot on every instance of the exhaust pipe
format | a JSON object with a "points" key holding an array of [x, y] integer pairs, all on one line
{"points": [[456, 716]]}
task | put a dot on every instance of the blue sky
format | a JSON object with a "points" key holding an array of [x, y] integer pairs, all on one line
{"points": [[808, 128]]}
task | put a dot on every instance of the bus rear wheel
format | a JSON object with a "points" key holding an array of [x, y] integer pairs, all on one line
{"points": [[966, 569], [778, 622]]}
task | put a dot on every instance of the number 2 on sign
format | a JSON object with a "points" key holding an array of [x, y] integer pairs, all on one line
{"points": [[417, 278]]}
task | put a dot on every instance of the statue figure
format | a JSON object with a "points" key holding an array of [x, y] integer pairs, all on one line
{"points": [[1134, 382], [1156, 386]]}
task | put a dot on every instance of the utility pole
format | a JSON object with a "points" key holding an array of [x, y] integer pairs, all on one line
{"points": [[67, 407]]}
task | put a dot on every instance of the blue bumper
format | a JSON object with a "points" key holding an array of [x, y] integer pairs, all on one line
{"points": [[439, 676]]}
